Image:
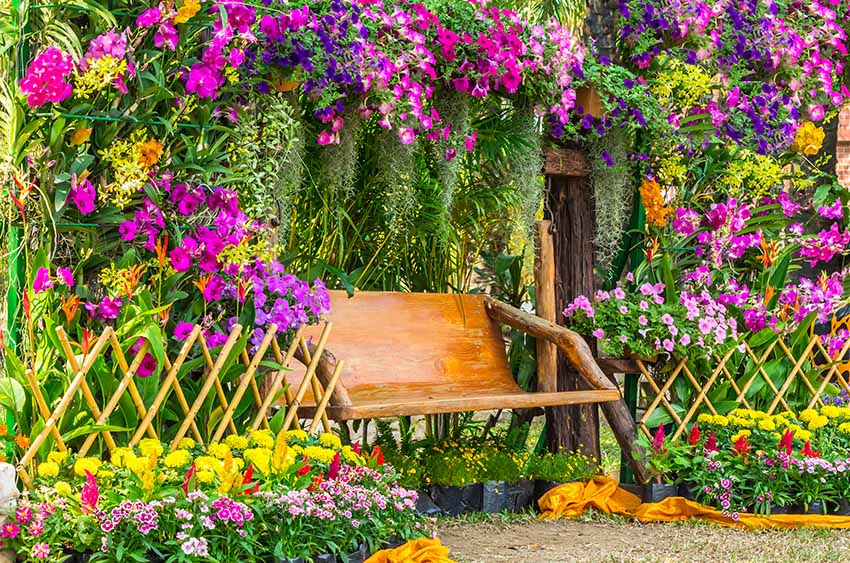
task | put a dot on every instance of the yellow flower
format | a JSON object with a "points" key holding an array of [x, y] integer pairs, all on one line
{"points": [[350, 456], [808, 140], [186, 444], [218, 450], [808, 415], [720, 420], [320, 454], [282, 457], [260, 458], [207, 463], [120, 456], [844, 427], [58, 457], [105, 475], [767, 424], [178, 458], [63, 488], [739, 435], [150, 446], [90, 464], [705, 419], [236, 442], [328, 440], [818, 421], [831, 411], [48, 469], [296, 436], [80, 136], [206, 476], [187, 11], [238, 463], [261, 438]]}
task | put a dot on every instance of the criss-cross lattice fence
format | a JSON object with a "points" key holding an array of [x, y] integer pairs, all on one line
{"points": [[239, 390], [772, 376]]}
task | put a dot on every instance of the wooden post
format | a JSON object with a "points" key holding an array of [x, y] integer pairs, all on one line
{"points": [[544, 284], [570, 208]]}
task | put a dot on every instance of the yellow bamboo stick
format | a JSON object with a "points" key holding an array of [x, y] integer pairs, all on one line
{"points": [[279, 377], [323, 404], [292, 412]]}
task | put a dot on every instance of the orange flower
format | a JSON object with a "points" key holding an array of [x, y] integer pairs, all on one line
{"points": [[201, 283], [132, 277], [769, 253], [187, 11], [162, 250], [164, 314], [22, 441], [150, 152], [652, 248], [656, 212], [85, 345], [3, 429], [70, 306], [768, 294], [80, 136]]}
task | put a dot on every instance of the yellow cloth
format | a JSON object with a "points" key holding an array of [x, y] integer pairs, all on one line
{"points": [[423, 550], [604, 495]]}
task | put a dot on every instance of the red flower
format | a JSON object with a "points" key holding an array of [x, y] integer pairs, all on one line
{"points": [[658, 440], [693, 439], [742, 446], [356, 447], [246, 480], [711, 443], [786, 442], [377, 456], [808, 451], [89, 494], [317, 480], [333, 470], [188, 479], [305, 469]]}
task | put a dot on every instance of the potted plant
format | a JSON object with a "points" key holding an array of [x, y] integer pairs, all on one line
{"points": [[549, 470], [660, 455], [504, 488], [454, 476]]}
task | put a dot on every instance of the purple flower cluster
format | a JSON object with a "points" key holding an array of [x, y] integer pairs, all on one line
{"points": [[163, 19], [827, 244], [45, 78], [722, 239]]}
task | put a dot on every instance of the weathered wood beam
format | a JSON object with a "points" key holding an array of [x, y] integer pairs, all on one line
{"points": [[325, 373], [580, 355]]}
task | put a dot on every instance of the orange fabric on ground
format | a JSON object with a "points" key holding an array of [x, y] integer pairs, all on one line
{"points": [[603, 494], [423, 550]]}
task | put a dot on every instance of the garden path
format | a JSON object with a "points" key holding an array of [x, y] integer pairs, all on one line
{"points": [[611, 541]]}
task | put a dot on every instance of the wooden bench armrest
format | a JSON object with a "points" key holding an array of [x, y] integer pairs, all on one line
{"points": [[581, 357]]}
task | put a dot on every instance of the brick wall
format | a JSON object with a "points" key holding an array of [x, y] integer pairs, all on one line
{"points": [[842, 164]]}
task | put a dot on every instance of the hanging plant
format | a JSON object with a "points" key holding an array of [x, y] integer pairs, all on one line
{"points": [[610, 178]]}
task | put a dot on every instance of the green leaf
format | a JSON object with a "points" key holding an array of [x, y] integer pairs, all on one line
{"points": [[91, 429], [12, 394]]}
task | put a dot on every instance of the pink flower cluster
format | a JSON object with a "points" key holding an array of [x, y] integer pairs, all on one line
{"points": [[141, 515], [114, 45], [45, 78]]}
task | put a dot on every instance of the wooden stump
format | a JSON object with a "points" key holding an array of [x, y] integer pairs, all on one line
{"points": [[571, 210]]}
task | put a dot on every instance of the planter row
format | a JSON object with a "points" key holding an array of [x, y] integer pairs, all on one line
{"points": [[492, 496], [655, 492]]}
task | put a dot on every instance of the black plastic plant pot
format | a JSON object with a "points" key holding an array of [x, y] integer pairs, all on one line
{"points": [[494, 497], [77, 557], [816, 507], [656, 492], [778, 509], [541, 487], [325, 558], [393, 543], [455, 501], [843, 507], [426, 506], [686, 490], [520, 495], [359, 556], [291, 560]]}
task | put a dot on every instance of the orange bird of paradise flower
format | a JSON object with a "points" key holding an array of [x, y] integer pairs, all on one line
{"points": [[769, 253], [201, 282], [70, 306], [161, 248], [132, 277]]}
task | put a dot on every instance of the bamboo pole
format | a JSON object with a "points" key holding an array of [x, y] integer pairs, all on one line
{"points": [[219, 390], [279, 378], [247, 377], [317, 388], [323, 404], [42, 408], [131, 385], [208, 383], [311, 372], [544, 284], [171, 381]]}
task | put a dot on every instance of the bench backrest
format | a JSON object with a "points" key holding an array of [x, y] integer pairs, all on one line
{"points": [[441, 343]]}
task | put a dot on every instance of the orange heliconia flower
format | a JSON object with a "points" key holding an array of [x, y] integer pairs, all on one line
{"points": [[769, 253], [161, 248], [165, 314], [201, 282], [768, 294], [149, 152], [85, 345], [70, 306], [132, 277], [652, 248]]}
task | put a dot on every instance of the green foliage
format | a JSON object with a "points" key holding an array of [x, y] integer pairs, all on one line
{"points": [[561, 467]]}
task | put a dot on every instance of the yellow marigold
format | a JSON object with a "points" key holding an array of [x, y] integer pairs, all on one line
{"points": [[656, 212], [62, 487], [808, 140], [207, 463], [137, 465], [831, 411], [105, 475], [740, 434], [178, 458], [844, 427], [720, 420], [149, 153], [238, 464], [767, 424], [48, 469], [186, 443], [742, 422], [818, 422], [350, 456], [331, 441], [120, 456], [206, 476], [260, 458], [236, 442], [261, 438], [319, 454], [150, 446], [90, 464], [296, 436], [705, 419], [187, 11], [58, 457], [803, 435], [218, 450], [808, 415]]}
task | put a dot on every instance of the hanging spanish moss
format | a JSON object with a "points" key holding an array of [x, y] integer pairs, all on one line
{"points": [[397, 171], [453, 108], [610, 178], [525, 166], [339, 162]]}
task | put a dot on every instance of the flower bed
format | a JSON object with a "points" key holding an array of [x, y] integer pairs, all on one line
{"points": [[255, 499], [751, 462]]}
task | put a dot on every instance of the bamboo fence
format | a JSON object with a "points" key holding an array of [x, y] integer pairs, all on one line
{"points": [[268, 391], [809, 374]]}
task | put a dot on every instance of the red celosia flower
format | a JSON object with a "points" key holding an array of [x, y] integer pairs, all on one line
{"points": [[742, 446], [89, 494], [786, 442], [377, 456], [658, 440], [305, 469], [188, 479], [333, 470], [246, 480], [711, 443], [356, 447], [693, 439], [808, 451]]}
